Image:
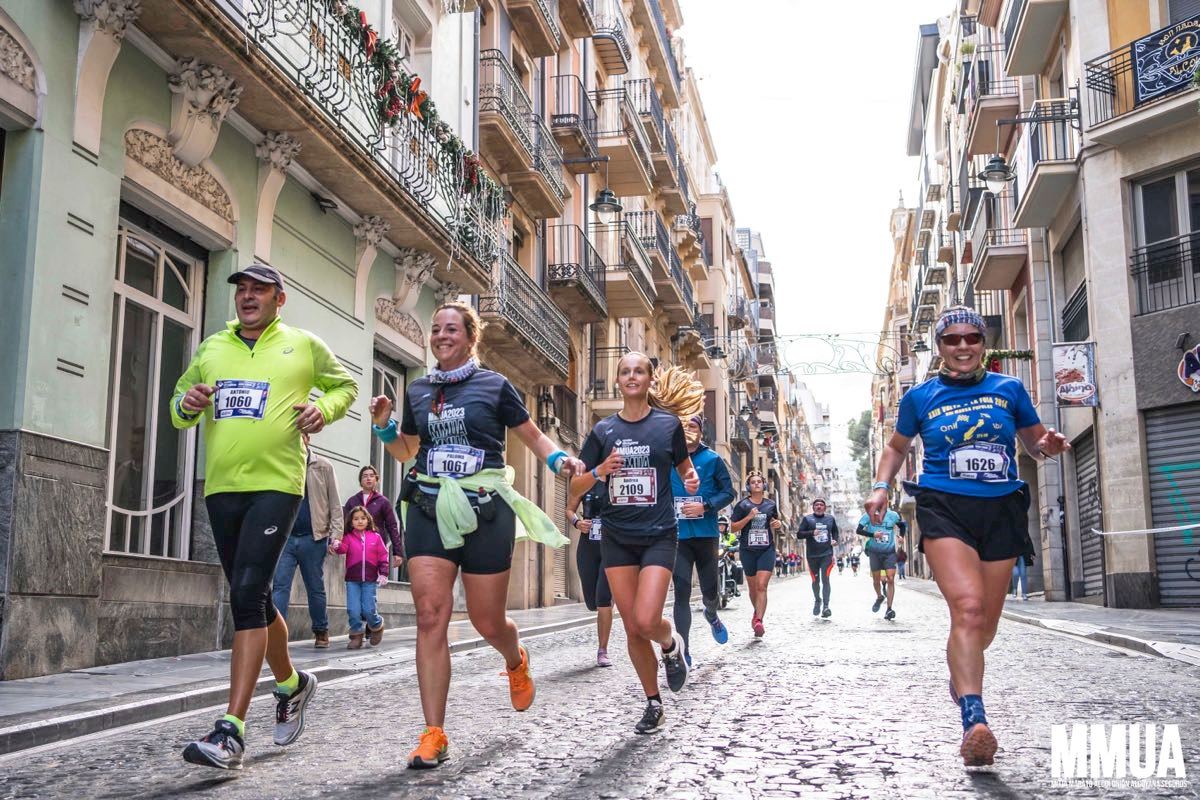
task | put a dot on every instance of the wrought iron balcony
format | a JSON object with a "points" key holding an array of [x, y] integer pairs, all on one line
{"points": [[667, 170], [537, 23], [1032, 31], [646, 101], [740, 438], [970, 189], [629, 284], [1144, 86], [738, 313], [622, 138], [766, 321], [578, 17], [998, 249], [680, 308], [526, 328], [577, 275], [611, 40], [541, 188], [1045, 162], [991, 96], [505, 111], [648, 226], [574, 122], [566, 413], [1167, 273], [657, 41], [305, 71], [602, 389]]}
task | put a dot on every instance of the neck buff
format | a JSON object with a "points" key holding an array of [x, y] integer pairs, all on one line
{"points": [[955, 379], [456, 375]]}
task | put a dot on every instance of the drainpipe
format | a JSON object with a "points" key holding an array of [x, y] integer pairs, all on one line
{"points": [[1062, 470]]}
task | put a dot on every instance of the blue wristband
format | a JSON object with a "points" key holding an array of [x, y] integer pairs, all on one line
{"points": [[183, 414], [386, 434], [555, 459], [596, 475]]}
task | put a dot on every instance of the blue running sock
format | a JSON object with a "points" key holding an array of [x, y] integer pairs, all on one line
{"points": [[971, 706]]}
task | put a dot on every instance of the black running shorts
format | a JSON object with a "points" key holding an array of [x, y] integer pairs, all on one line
{"points": [[486, 551], [621, 550], [996, 527]]}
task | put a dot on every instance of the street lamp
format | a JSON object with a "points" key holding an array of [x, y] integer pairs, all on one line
{"points": [[919, 346], [997, 174], [745, 413], [606, 205]]}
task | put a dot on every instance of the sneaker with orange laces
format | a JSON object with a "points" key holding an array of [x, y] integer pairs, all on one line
{"points": [[433, 749], [520, 683]]}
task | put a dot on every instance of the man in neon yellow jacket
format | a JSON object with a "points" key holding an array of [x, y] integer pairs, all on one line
{"points": [[250, 384]]}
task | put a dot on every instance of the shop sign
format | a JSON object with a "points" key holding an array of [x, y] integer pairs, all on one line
{"points": [[1075, 375]]}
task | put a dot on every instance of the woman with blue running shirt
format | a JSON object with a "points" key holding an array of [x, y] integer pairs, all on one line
{"points": [[971, 506]]}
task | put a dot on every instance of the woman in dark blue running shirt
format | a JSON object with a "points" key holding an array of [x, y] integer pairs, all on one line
{"points": [[756, 518], [634, 452], [971, 506]]}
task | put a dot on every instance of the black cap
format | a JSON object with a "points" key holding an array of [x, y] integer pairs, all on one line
{"points": [[263, 273]]}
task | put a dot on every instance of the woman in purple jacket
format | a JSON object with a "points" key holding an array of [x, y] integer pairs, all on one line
{"points": [[380, 509]]}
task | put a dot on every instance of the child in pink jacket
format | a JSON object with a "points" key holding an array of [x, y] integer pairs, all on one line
{"points": [[366, 570]]}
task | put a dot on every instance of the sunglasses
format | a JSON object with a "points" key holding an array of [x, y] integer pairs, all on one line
{"points": [[955, 339]]}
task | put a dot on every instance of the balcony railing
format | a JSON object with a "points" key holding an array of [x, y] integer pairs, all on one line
{"points": [[681, 280], [573, 108], [521, 303], [1048, 134], [1145, 71], [970, 188], [538, 22], [547, 158], [611, 39], [571, 258], [650, 229], [1011, 21], [988, 78], [620, 249], [501, 92], [618, 117], [646, 101], [319, 55], [1167, 273]]}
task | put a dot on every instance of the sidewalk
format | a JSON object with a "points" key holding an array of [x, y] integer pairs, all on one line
{"points": [[37, 711], [1171, 633]]}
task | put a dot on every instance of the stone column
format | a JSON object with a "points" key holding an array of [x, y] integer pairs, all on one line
{"points": [[102, 26], [275, 154]]}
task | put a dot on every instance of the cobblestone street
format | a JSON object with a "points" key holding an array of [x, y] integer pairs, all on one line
{"points": [[848, 707]]}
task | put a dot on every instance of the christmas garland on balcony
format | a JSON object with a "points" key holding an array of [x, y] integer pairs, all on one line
{"points": [[1017, 355], [400, 95]]}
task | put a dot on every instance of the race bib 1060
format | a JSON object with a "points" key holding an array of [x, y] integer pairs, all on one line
{"points": [[237, 399], [633, 487], [979, 461], [453, 461]]}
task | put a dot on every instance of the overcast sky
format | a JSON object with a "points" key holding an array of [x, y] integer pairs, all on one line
{"points": [[808, 112]]}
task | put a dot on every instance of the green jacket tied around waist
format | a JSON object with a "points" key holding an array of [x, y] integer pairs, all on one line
{"points": [[456, 517]]}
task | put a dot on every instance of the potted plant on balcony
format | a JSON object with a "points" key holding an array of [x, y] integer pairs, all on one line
{"points": [[967, 49]]}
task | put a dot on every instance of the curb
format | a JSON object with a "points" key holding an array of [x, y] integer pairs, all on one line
{"points": [[66, 726]]}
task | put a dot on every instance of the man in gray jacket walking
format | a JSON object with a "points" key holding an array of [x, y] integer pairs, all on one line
{"points": [[319, 517]]}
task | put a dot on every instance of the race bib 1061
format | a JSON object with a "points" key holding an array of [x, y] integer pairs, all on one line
{"points": [[453, 461], [980, 461], [237, 399], [633, 487]]}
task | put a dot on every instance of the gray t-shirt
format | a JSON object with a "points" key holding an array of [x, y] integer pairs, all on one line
{"points": [[462, 425], [640, 501]]}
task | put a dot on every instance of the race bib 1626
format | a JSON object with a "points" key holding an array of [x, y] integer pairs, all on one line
{"points": [[980, 461]]}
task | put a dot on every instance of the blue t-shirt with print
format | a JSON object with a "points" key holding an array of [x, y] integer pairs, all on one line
{"points": [[969, 433], [883, 535]]}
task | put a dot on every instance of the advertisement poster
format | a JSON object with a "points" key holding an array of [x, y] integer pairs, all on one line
{"points": [[1075, 375]]}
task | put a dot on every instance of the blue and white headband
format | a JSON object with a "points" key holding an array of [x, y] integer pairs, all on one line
{"points": [[960, 315]]}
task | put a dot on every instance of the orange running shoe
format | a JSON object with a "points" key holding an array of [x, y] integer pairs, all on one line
{"points": [[433, 749], [520, 683], [978, 746]]}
